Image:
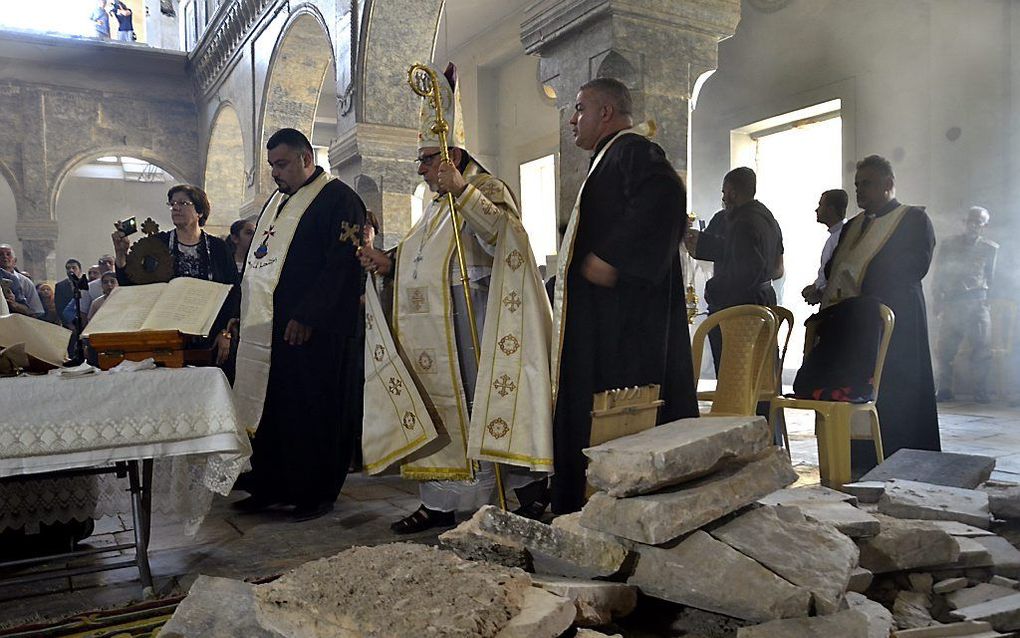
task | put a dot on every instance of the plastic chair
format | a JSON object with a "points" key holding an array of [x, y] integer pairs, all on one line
{"points": [[749, 339], [834, 421]]}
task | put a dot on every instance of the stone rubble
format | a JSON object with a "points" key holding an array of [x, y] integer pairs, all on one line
{"points": [[909, 499], [597, 602]]}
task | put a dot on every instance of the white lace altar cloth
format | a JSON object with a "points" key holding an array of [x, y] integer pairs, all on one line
{"points": [[183, 418]]}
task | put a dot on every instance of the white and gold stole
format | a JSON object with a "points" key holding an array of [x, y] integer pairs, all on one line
{"points": [[855, 251], [263, 266], [564, 257]]}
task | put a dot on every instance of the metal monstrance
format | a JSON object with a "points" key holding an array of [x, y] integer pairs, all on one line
{"points": [[425, 83]]}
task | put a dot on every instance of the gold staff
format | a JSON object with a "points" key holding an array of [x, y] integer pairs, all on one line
{"points": [[424, 83]]}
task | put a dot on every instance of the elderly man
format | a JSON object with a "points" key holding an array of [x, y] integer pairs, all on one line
{"points": [[884, 253], [619, 308], [831, 213], [964, 273], [496, 410], [23, 298], [299, 307]]}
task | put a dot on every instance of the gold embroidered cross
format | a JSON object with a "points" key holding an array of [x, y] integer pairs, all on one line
{"points": [[351, 233], [504, 385], [396, 385], [512, 301]]}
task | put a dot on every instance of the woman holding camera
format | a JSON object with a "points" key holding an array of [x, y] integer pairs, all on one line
{"points": [[194, 252]]}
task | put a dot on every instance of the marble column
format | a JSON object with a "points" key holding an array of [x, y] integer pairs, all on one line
{"points": [[658, 48], [38, 249]]}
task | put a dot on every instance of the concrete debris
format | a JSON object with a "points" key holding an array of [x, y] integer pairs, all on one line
{"points": [[654, 519], [850, 520], [962, 529], [909, 499], [980, 593], [675, 453], [949, 585], [805, 494], [217, 608], [860, 580], [543, 615], [1005, 557], [968, 629], [1002, 613], [552, 550], [846, 624], [865, 491], [1003, 500], [806, 553], [911, 609], [597, 602], [907, 544], [938, 468], [708, 574], [880, 619]]}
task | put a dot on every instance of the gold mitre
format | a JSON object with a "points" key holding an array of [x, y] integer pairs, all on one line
{"points": [[449, 93]]}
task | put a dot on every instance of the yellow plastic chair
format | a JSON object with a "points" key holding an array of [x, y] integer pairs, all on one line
{"points": [[834, 419], [749, 341], [772, 377]]}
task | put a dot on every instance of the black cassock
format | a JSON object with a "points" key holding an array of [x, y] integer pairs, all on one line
{"points": [[304, 442], [633, 216], [906, 398]]}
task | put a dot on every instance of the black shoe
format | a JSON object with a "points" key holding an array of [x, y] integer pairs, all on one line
{"points": [[423, 519], [944, 395], [251, 505], [311, 511]]}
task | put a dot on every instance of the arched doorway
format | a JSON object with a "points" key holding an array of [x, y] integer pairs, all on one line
{"points": [[8, 215], [224, 171], [301, 90], [99, 190]]}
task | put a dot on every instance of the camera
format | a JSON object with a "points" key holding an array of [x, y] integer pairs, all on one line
{"points": [[127, 226]]}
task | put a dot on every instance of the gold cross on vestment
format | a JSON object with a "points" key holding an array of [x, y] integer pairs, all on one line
{"points": [[351, 233]]}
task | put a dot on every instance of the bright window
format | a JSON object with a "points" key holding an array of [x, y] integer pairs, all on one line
{"points": [[70, 17], [538, 205]]}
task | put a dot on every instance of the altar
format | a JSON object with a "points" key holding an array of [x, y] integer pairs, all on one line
{"points": [[68, 443]]}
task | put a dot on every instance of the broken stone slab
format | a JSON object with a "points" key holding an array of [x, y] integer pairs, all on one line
{"points": [[675, 453], [1002, 613], [597, 602], [1002, 581], [1003, 500], [654, 519], [972, 553], [469, 541], [910, 499], [1005, 557], [921, 582], [907, 544], [850, 520], [552, 550], [806, 553], [217, 608], [807, 494], [865, 491], [860, 580], [937, 468], [359, 591], [880, 619], [969, 629], [543, 615], [980, 593], [846, 624], [962, 529], [708, 574], [949, 585], [912, 609]]}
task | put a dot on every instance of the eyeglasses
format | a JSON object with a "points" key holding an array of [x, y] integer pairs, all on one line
{"points": [[427, 159], [183, 204]]}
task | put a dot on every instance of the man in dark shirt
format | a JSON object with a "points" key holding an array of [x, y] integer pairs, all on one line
{"points": [[747, 255], [125, 28]]}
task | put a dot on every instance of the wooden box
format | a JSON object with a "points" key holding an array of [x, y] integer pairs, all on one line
{"points": [[166, 347]]}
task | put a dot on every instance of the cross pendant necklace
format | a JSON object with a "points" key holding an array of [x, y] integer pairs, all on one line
{"points": [[431, 224]]}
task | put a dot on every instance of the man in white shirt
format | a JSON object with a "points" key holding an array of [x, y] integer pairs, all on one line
{"points": [[23, 287], [831, 212]]}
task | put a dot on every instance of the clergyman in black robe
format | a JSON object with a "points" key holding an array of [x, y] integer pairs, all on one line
{"points": [[906, 400], [624, 316], [304, 441]]}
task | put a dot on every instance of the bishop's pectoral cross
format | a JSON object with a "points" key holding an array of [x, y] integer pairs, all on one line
{"points": [[417, 261]]}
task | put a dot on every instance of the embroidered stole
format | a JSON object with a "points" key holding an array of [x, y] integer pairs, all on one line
{"points": [[855, 251], [565, 256], [263, 265]]}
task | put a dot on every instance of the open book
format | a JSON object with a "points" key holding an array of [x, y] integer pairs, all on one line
{"points": [[186, 305], [44, 341]]}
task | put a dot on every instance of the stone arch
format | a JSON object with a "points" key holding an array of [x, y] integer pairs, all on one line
{"points": [[224, 169], [301, 65], [10, 207], [615, 65]]}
